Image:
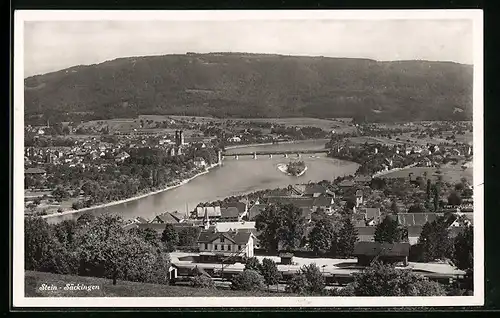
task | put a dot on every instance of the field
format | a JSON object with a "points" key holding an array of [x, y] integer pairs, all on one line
{"points": [[451, 174], [33, 281]]}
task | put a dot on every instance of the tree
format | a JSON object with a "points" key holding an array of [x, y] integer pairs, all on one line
{"points": [[321, 236], [394, 207], [270, 272], [280, 225], [347, 238], [188, 236], [436, 197], [464, 249], [38, 242], [170, 237], [416, 208], [253, 263], [385, 280], [308, 281], [428, 190], [247, 280], [388, 231], [454, 198], [434, 242]]}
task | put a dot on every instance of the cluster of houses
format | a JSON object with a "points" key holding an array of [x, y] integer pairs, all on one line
{"points": [[225, 224]]}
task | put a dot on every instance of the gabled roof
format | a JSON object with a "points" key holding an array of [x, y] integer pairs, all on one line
{"points": [[381, 249], [297, 201], [255, 210], [411, 219], [346, 183], [230, 212], [239, 238], [34, 171], [211, 211], [240, 206], [323, 201], [165, 218], [371, 213], [362, 179], [314, 188]]}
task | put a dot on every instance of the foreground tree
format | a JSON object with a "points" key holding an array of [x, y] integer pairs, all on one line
{"points": [[280, 226], [434, 242], [247, 280], [170, 237], [308, 281], [253, 263], [347, 238], [388, 231], [270, 272], [322, 235], [464, 245], [385, 280], [38, 242]]}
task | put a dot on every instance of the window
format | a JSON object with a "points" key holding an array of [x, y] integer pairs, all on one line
{"points": [[222, 239], [206, 246], [215, 246], [239, 247]]}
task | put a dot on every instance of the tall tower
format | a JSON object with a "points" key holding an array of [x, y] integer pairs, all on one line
{"points": [[206, 220], [181, 137]]}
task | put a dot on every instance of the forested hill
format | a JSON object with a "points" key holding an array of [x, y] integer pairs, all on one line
{"points": [[256, 85]]}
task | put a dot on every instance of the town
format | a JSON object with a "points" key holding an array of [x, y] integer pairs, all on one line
{"points": [[409, 203]]}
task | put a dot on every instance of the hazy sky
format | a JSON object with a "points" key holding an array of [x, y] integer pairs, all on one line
{"points": [[51, 46]]}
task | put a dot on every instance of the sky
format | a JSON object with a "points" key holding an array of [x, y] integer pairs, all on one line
{"points": [[54, 45]]}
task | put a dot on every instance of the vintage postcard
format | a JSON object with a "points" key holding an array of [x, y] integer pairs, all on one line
{"points": [[248, 158]]}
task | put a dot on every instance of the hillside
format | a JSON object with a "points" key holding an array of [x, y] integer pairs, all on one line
{"points": [[256, 85], [34, 280]]}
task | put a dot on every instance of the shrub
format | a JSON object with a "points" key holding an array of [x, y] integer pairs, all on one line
{"points": [[248, 280], [202, 281], [308, 281]]}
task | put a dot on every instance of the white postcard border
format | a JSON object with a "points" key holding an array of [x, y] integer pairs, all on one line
{"points": [[19, 299]]}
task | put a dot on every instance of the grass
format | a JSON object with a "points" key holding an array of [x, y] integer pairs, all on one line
{"points": [[33, 281]]}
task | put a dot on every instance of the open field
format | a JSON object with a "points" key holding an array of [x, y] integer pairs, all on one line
{"points": [[451, 174], [33, 281]]}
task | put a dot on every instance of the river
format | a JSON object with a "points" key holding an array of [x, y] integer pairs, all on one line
{"points": [[232, 178]]}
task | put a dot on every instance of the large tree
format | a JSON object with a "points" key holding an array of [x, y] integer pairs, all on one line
{"points": [[322, 235], [270, 272], [170, 237], [280, 226], [38, 242], [347, 238], [464, 249], [434, 241], [385, 280], [388, 231], [307, 281]]}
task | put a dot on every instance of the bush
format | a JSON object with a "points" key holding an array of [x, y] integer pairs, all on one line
{"points": [[202, 282], [248, 280], [308, 281]]}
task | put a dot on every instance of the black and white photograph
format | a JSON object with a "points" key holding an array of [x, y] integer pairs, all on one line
{"points": [[248, 158]]}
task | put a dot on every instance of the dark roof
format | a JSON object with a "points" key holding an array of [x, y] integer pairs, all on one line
{"points": [[239, 238], [381, 249], [366, 230], [230, 212], [346, 183], [361, 178], [34, 171], [297, 201], [238, 205], [165, 218], [322, 201], [372, 213], [314, 188], [255, 210], [410, 219]]}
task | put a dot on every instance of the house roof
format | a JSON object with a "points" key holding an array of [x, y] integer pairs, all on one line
{"points": [[362, 178], [359, 193], [323, 201], [371, 213], [346, 183], [166, 218], [410, 219], [235, 226], [240, 206], [255, 210], [211, 211], [297, 201], [239, 238], [365, 230], [34, 171], [381, 249], [230, 212], [314, 188]]}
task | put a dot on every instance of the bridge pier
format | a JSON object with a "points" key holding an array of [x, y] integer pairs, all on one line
{"points": [[298, 155], [271, 156], [255, 155], [236, 157], [285, 155]]}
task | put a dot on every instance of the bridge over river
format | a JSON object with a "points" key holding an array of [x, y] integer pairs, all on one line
{"points": [[270, 153]]}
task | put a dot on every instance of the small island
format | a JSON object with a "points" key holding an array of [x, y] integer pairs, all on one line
{"points": [[296, 168]]}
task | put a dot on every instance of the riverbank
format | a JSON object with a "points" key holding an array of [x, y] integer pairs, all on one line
{"points": [[140, 196]]}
